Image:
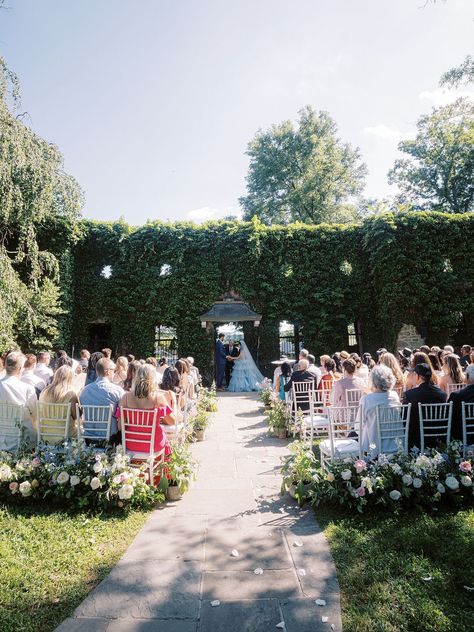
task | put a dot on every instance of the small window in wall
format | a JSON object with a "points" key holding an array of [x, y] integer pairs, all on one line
{"points": [[106, 272], [166, 343], [165, 270], [351, 335], [287, 339]]}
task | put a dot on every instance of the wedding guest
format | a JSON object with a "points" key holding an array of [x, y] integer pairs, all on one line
{"points": [[465, 394], [132, 369], [130, 357], [193, 371], [303, 355], [301, 375], [43, 370], [362, 370], [60, 391], [336, 358], [380, 353], [103, 392], [29, 376], [452, 372], [424, 392], [162, 365], [388, 359], [465, 356], [425, 349], [121, 368], [84, 356], [329, 376], [185, 383], [411, 379], [368, 361], [349, 381], [107, 353], [448, 349], [14, 391], [283, 378], [151, 360], [91, 374], [436, 364], [313, 368]]}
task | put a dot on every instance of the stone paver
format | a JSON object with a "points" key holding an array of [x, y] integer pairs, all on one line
{"points": [[181, 560]]}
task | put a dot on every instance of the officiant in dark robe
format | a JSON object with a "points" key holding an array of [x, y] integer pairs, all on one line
{"points": [[233, 351]]}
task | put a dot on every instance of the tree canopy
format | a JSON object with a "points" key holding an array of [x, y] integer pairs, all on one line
{"points": [[304, 173], [461, 75], [439, 173]]}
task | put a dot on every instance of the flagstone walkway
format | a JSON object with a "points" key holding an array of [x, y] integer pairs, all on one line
{"points": [[181, 561]]}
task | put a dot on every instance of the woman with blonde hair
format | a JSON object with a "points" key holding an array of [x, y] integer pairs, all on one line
{"points": [[132, 369], [61, 391], [388, 359], [452, 372], [121, 368]]}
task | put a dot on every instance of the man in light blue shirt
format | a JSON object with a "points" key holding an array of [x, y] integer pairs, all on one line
{"points": [[103, 392]]}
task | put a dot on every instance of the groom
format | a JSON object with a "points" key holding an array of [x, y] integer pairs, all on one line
{"points": [[220, 361], [231, 352]]}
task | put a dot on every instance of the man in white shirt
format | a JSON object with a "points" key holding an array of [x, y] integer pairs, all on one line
{"points": [[29, 376], [314, 369], [14, 391], [43, 369]]}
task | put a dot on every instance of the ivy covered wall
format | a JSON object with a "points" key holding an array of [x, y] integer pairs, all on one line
{"points": [[407, 268]]}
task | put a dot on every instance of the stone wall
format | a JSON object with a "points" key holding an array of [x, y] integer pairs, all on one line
{"points": [[408, 336]]}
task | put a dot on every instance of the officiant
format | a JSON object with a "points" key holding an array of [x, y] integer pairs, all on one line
{"points": [[232, 351]]}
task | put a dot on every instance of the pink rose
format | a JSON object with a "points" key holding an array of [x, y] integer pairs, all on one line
{"points": [[360, 465], [465, 466], [36, 462], [13, 487], [360, 491]]}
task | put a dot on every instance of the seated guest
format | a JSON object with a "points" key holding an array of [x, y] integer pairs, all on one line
{"points": [[465, 356], [185, 382], [43, 370], [151, 360], [132, 369], [362, 370], [328, 375], [464, 395], [452, 372], [368, 361], [313, 368], [103, 392], [436, 364], [130, 357], [283, 378], [411, 379], [301, 375], [29, 377], [14, 391], [193, 371], [303, 355], [121, 368], [60, 391], [388, 359], [84, 356], [383, 381], [107, 353], [349, 381], [91, 374], [424, 392], [337, 365], [162, 365]]}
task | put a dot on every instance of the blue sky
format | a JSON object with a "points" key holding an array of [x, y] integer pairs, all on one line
{"points": [[153, 102]]}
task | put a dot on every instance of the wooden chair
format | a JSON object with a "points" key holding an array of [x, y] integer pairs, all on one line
{"points": [[392, 428], [435, 422], [338, 446], [139, 429], [467, 427], [11, 426], [54, 422], [95, 422]]}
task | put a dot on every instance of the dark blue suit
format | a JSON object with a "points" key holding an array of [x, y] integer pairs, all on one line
{"points": [[220, 362]]}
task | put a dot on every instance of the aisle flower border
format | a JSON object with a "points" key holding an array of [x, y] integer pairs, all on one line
{"points": [[427, 481]]}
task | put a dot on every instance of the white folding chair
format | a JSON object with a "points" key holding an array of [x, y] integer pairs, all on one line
{"points": [[11, 427], [54, 421], [392, 428], [353, 396], [435, 422], [325, 395], [314, 421], [95, 422], [399, 391], [303, 396], [453, 388], [139, 429], [467, 427], [338, 446]]}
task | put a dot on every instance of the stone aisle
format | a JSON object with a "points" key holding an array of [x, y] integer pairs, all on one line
{"points": [[182, 560]]}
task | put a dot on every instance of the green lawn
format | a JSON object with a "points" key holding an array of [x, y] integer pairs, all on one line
{"points": [[50, 560], [382, 559]]}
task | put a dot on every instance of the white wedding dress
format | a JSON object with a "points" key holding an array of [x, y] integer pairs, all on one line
{"points": [[245, 374]]}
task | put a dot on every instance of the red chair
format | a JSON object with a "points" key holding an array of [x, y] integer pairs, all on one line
{"points": [[143, 439]]}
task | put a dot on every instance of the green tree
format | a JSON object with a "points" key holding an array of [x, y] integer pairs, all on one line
{"points": [[439, 173], [304, 173], [459, 76]]}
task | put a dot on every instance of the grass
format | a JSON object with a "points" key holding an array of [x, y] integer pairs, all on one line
{"points": [[50, 560], [381, 561]]}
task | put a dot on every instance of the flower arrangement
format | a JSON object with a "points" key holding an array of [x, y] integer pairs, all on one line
{"points": [[78, 477], [427, 481], [207, 399], [266, 394], [179, 470], [278, 418]]}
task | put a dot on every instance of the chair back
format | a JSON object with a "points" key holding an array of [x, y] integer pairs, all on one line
{"points": [[341, 421], [353, 396], [54, 421], [96, 422], [467, 425], [435, 422], [392, 428], [138, 429], [325, 395], [399, 391], [453, 388], [303, 395], [11, 425]]}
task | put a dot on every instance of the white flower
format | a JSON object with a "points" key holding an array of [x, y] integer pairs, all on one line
{"points": [[25, 488], [407, 479], [97, 467], [116, 479], [441, 488], [5, 473], [346, 475], [330, 477], [75, 480], [395, 494], [417, 483], [396, 469], [95, 483], [423, 461], [466, 481], [452, 483], [125, 492], [63, 477]]}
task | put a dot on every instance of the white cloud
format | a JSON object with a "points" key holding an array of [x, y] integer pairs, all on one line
{"points": [[206, 213], [440, 97], [387, 133]]}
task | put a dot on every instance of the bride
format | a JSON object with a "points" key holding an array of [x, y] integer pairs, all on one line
{"points": [[245, 375]]}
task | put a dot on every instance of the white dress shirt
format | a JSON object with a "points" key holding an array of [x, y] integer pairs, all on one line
{"points": [[14, 391], [29, 377], [44, 372]]}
